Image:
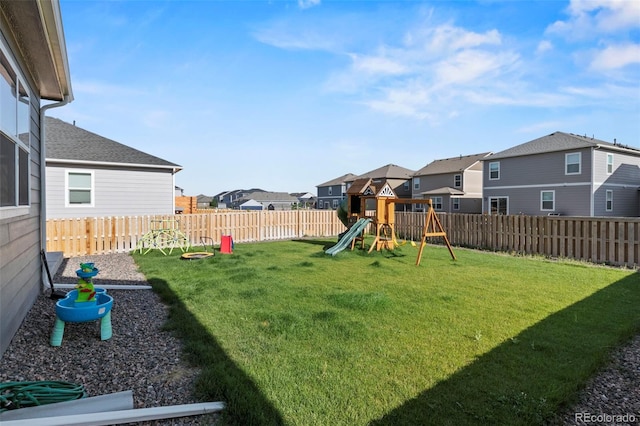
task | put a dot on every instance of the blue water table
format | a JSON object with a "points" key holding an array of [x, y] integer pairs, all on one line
{"points": [[85, 303]]}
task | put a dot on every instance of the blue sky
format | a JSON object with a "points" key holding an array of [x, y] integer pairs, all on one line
{"points": [[286, 95]]}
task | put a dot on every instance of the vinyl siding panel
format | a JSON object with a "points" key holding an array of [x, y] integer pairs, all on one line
{"points": [[539, 169], [472, 183], [569, 200], [20, 266], [117, 192], [325, 197], [625, 201]]}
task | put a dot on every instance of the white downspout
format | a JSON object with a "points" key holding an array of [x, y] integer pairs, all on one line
{"points": [[43, 174]]}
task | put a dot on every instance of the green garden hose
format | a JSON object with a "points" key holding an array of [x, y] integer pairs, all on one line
{"points": [[14, 395]]}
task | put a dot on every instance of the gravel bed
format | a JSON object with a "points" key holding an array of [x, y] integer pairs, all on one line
{"points": [[612, 397], [140, 356], [143, 358]]}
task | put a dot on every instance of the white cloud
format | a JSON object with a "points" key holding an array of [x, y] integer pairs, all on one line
{"points": [[588, 19], [544, 46], [306, 4], [447, 38], [614, 57], [472, 65], [376, 65]]}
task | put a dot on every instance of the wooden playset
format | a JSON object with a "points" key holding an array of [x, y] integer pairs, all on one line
{"points": [[365, 199]]}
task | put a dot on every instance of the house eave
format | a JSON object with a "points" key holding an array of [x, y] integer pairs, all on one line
{"points": [[174, 168], [36, 28]]}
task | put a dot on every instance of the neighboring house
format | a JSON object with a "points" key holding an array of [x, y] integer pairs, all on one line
{"points": [[306, 200], [230, 198], [398, 178], [268, 200], [331, 193], [563, 174], [251, 205], [454, 185], [33, 68], [204, 201], [90, 175]]}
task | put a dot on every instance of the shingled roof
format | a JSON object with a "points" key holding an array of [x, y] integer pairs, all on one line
{"points": [[451, 165], [339, 180], [67, 142], [390, 171], [558, 141]]}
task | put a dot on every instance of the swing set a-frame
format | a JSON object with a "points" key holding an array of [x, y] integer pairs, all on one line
{"points": [[359, 195]]}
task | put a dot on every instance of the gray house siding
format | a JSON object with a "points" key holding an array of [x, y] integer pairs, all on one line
{"points": [[117, 192], [623, 180], [568, 200], [537, 169], [20, 279], [523, 178], [330, 196]]}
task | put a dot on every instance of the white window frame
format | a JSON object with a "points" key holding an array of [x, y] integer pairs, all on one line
{"points": [[609, 163], [498, 198], [457, 180], [495, 164], [330, 191], [326, 205], [553, 200], [437, 202], [455, 203], [416, 183], [336, 203], [67, 203], [19, 135], [567, 163], [406, 185], [608, 203]]}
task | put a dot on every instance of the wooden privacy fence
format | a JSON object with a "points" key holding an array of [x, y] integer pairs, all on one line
{"points": [[612, 241], [101, 235]]}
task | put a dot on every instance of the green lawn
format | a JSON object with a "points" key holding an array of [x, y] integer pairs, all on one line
{"points": [[288, 335]]}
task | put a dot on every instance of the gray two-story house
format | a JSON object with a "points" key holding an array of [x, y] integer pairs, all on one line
{"points": [[454, 185], [563, 174], [332, 192]]}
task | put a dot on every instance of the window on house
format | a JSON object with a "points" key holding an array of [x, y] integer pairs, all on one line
{"points": [[457, 181], [609, 198], [572, 163], [436, 202], [326, 205], [547, 200], [14, 136], [335, 204], [330, 190], [494, 170], [609, 164], [455, 203], [406, 186], [498, 205], [79, 188], [416, 183]]}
